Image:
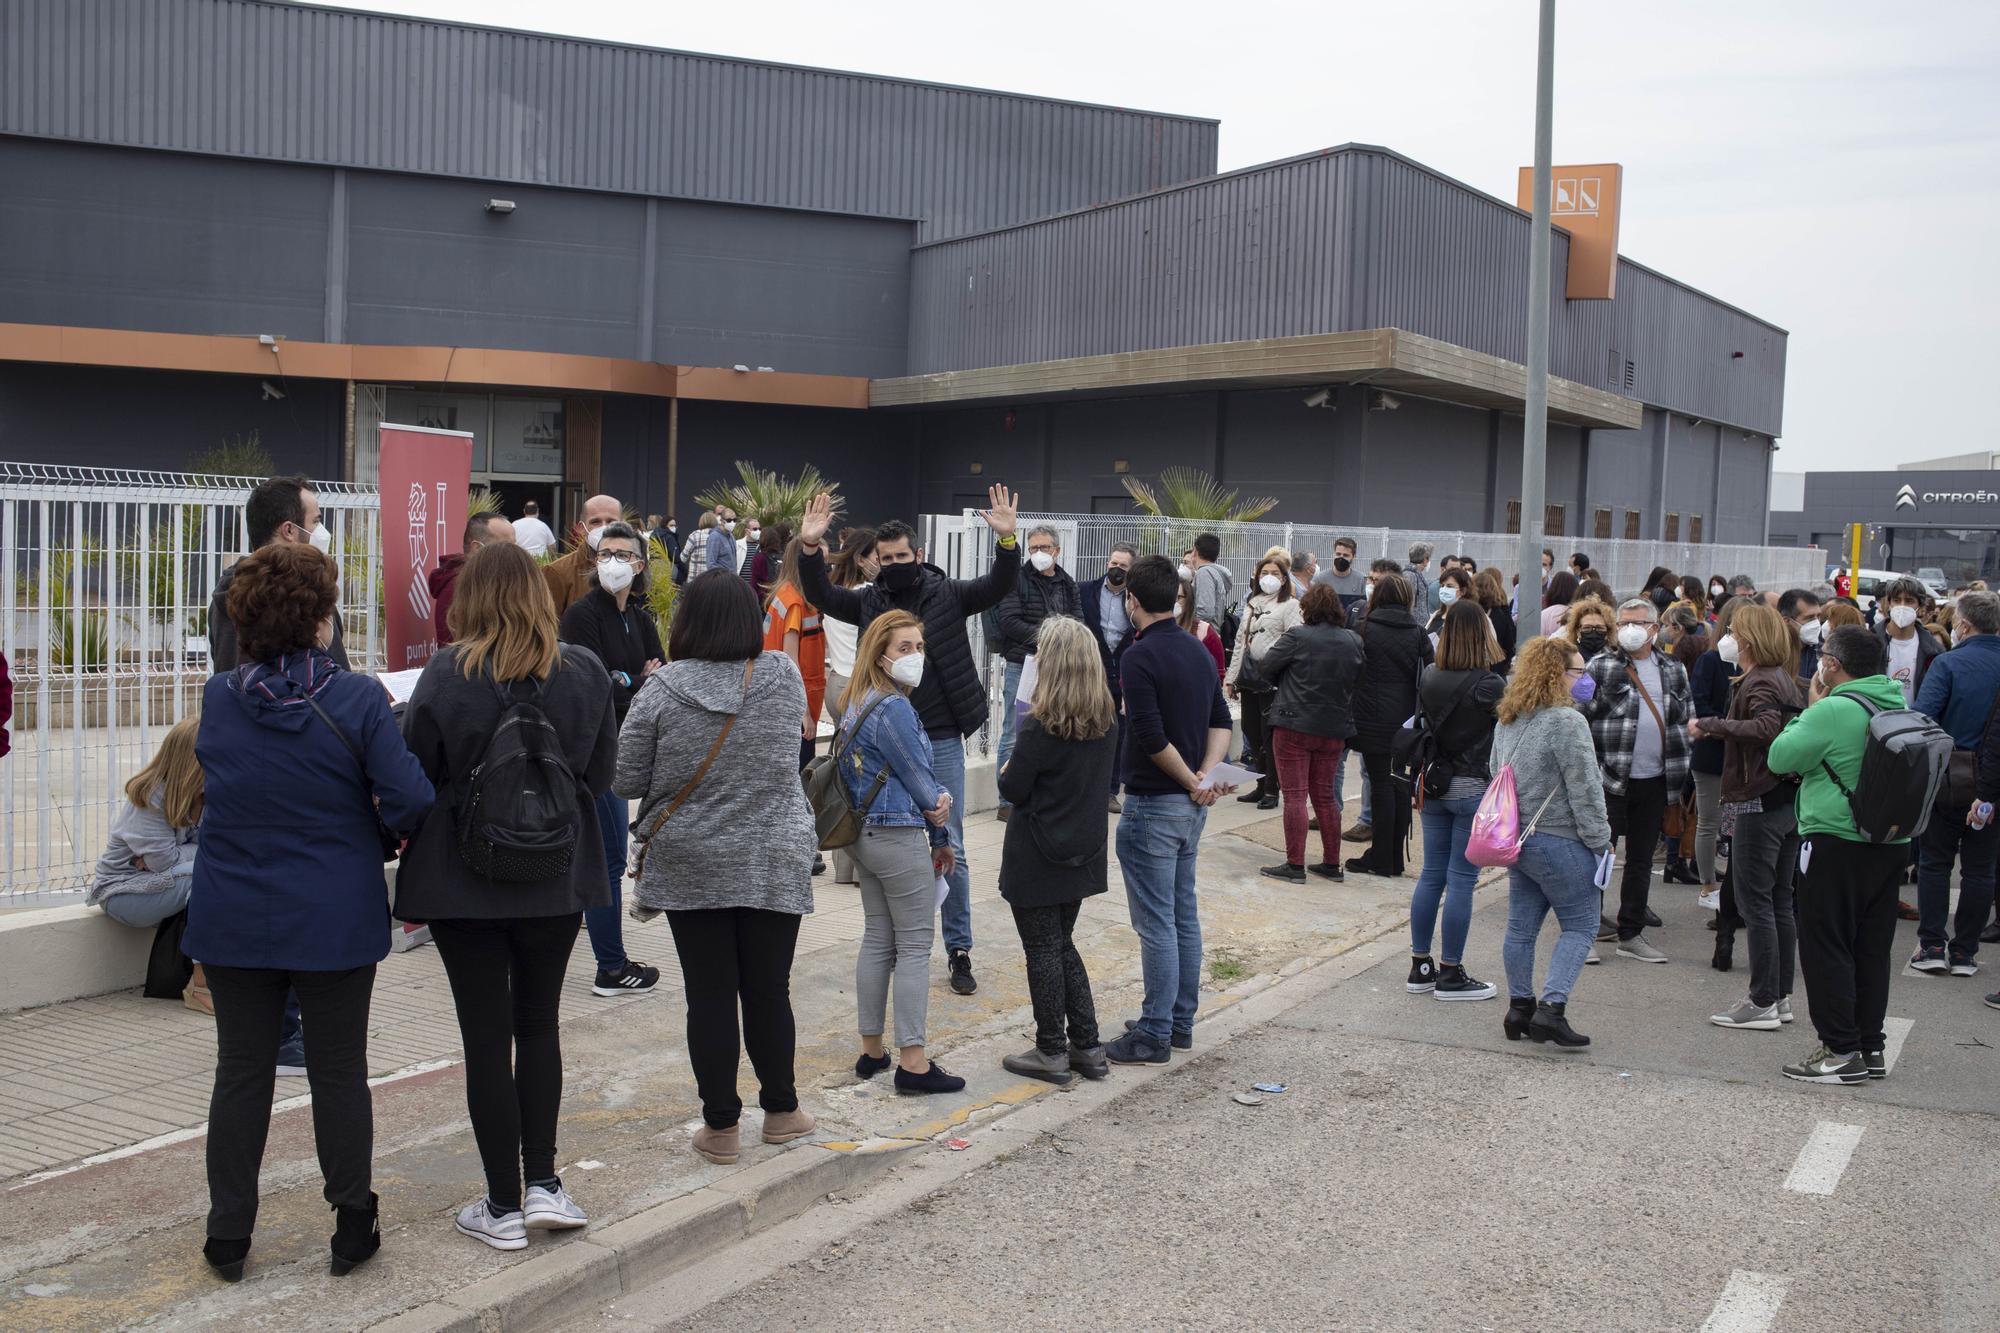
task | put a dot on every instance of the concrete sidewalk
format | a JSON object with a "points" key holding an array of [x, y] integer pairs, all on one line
{"points": [[103, 1102]]}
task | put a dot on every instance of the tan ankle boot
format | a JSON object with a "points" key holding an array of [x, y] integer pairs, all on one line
{"points": [[784, 1126], [721, 1146]]}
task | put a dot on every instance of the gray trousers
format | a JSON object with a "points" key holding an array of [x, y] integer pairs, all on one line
{"points": [[1707, 823], [1763, 857], [899, 901]]}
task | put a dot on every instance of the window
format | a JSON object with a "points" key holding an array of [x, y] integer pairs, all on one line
{"points": [[1631, 525], [1694, 528], [1600, 523], [1514, 515], [1552, 520], [1672, 532]]}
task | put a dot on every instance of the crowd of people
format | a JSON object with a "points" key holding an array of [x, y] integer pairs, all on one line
{"points": [[555, 746]]}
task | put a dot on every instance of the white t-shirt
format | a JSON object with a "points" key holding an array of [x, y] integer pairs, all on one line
{"points": [[532, 535], [1649, 753], [841, 641], [1903, 667]]}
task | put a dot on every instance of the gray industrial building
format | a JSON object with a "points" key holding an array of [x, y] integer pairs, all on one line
{"points": [[1933, 519], [625, 268]]}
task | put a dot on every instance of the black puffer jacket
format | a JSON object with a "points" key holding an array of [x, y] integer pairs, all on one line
{"points": [[1397, 648], [1035, 598], [1315, 668], [950, 699]]}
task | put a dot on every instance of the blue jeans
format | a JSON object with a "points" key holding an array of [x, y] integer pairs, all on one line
{"points": [[1552, 873], [1010, 689], [1367, 799], [948, 767], [1447, 877], [146, 910], [1158, 837], [607, 924]]}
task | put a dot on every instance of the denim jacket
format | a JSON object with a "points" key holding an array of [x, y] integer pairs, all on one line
{"points": [[892, 737]]}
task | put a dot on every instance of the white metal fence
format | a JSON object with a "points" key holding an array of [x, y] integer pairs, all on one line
{"points": [[960, 544], [104, 585]]}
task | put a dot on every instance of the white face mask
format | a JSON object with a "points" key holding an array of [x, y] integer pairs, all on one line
{"points": [[1631, 637], [1811, 631], [1903, 616], [753, 534], [1270, 583], [1179, 609], [321, 539], [907, 671], [1187, 573], [615, 576], [1726, 650], [1042, 560], [1447, 595], [592, 536], [1715, 590]]}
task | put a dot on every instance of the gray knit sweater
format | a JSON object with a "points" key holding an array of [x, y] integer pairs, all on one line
{"points": [[1551, 751], [744, 837]]}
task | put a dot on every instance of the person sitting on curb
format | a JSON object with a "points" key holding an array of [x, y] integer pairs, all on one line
{"points": [[145, 873]]}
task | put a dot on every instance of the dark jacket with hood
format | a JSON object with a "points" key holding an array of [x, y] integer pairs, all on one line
{"points": [[444, 584], [1315, 668], [1464, 729], [623, 641], [1035, 598], [950, 699], [290, 871], [1397, 648], [222, 654], [447, 724]]}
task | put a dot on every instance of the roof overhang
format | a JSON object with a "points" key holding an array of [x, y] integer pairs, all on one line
{"points": [[1386, 358]]}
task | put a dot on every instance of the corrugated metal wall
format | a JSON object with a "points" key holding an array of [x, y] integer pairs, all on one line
{"points": [[1355, 238], [279, 81]]}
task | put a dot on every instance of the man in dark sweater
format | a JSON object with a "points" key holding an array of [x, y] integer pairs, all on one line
{"points": [[1178, 729], [950, 699], [283, 509], [1045, 589]]}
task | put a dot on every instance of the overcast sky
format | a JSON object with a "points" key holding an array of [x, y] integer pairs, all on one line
{"points": [[1831, 166]]}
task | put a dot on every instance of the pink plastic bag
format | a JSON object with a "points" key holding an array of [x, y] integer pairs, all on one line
{"points": [[1496, 827]]}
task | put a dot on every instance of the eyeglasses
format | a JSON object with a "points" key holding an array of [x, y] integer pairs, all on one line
{"points": [[613, 557], [1575, 671]]}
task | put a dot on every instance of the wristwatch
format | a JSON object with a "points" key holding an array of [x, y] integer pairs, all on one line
{"points": [[1010, 541]]}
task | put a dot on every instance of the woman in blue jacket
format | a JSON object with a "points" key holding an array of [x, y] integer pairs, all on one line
{"points": [[299, 760]]}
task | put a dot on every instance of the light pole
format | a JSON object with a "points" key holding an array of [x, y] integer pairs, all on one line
{"points": [[1535, 423]]}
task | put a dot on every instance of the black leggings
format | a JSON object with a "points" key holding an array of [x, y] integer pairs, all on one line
{"points": [[1057, 983], [1257, 735], [506, 981], [249, 1009], [1389, 812], [732, 955]]}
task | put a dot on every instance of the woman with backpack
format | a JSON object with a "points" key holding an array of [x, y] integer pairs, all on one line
{"points": [[503, 709], [1457, 696], [710, 752], [904, 848], [1273, 610], [1396, 649], [1765, 845], [1054, 856], [614, 622]]}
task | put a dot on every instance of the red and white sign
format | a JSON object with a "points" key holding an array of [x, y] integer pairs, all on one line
{"points": [[426, 477]]}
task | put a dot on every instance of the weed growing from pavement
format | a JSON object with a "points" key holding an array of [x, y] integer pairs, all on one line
{"points": [[1225, 966]]}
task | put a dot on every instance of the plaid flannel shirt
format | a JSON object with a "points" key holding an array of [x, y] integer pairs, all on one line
{"points": [[1617, 712]]}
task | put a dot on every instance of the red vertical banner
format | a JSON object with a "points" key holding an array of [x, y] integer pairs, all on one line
{"points": [[425, 480]]}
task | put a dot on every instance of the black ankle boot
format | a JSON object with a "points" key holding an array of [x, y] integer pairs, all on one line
{"points": [[1549, 1024], [357, 1234], [1520, 1011], [226, 1257]]}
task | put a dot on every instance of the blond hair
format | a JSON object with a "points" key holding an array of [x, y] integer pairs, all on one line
{"points": [[174, 774], [502, 617], [1072, 699], [868, 672], [1765, 637], [1538, 680]]}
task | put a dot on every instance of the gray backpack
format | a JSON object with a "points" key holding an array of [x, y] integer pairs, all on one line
{"points": [[1903, 765]]}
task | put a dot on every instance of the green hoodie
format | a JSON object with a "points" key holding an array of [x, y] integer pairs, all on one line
{"points": [[1835, 733]]}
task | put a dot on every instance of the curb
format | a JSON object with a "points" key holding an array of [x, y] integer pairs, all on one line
{"points": [[630, 1255]]}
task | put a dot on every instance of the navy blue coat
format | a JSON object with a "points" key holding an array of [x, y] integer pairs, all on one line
{"points": [[1091, 612], [290, 871]]}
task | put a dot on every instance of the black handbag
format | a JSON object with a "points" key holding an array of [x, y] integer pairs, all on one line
{"points": [[1415, 760], [392, 841], [1250, 677], [168, 970]]}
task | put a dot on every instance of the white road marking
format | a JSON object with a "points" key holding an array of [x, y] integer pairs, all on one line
{"points": [[1749, 1304], [1894, 1030], [1824, 1158]]}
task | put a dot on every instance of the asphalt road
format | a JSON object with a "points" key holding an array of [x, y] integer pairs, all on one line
{"points": [[1423, 1172]]}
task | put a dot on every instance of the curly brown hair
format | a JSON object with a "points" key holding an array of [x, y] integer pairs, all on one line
{"points": [[279, 596], [1320, 605]]}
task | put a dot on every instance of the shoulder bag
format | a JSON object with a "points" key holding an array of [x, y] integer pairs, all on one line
{"points": [[680, 797], [392, 841], [837, 821]]}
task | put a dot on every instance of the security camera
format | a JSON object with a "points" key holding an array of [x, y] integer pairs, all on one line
{"points": [[741, 369], [272, 391], [1385, 402], [1320, 398], [500, 206]]}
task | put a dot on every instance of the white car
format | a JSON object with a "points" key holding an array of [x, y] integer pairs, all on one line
{"points": [[1933, 578]]}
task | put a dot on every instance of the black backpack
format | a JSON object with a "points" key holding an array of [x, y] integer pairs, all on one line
{"points": [[1231, 626], [519, 818], [1903, 765]]}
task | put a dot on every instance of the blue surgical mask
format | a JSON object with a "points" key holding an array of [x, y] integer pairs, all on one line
{"points": [[1584, 690], [1447, 595]]}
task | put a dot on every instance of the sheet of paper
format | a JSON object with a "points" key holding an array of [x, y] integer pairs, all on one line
{"points": [[1228, 775], [1605, 865], [943, 889], [400, 684]]}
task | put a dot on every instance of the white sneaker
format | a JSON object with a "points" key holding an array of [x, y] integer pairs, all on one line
{"points": [[1785, 1009], [1711, 899], [1637, 948], [551, 1210], [476, 1220], [1592, 957]]}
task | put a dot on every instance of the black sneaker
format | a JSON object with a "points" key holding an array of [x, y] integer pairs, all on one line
{"points": [[962, 980], [1184, 1041], [1653, 919], [1824, 1066], [868, 1066], [1136, 1048], [1990, 935], [932, 1080], [1963, 964], [634, 977], [1929, 958], [1454, 984], [1329, 870], [1877, 1066], [819, 864], [1423, 976], [1286, 871]]}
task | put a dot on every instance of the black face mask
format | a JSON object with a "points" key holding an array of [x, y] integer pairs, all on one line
{"points": [[1114, 577], [1342, 563], [900, 578], [1591, 641]]}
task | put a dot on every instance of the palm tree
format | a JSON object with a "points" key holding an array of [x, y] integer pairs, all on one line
{"points": [[768, 497], [1187, 492]]}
